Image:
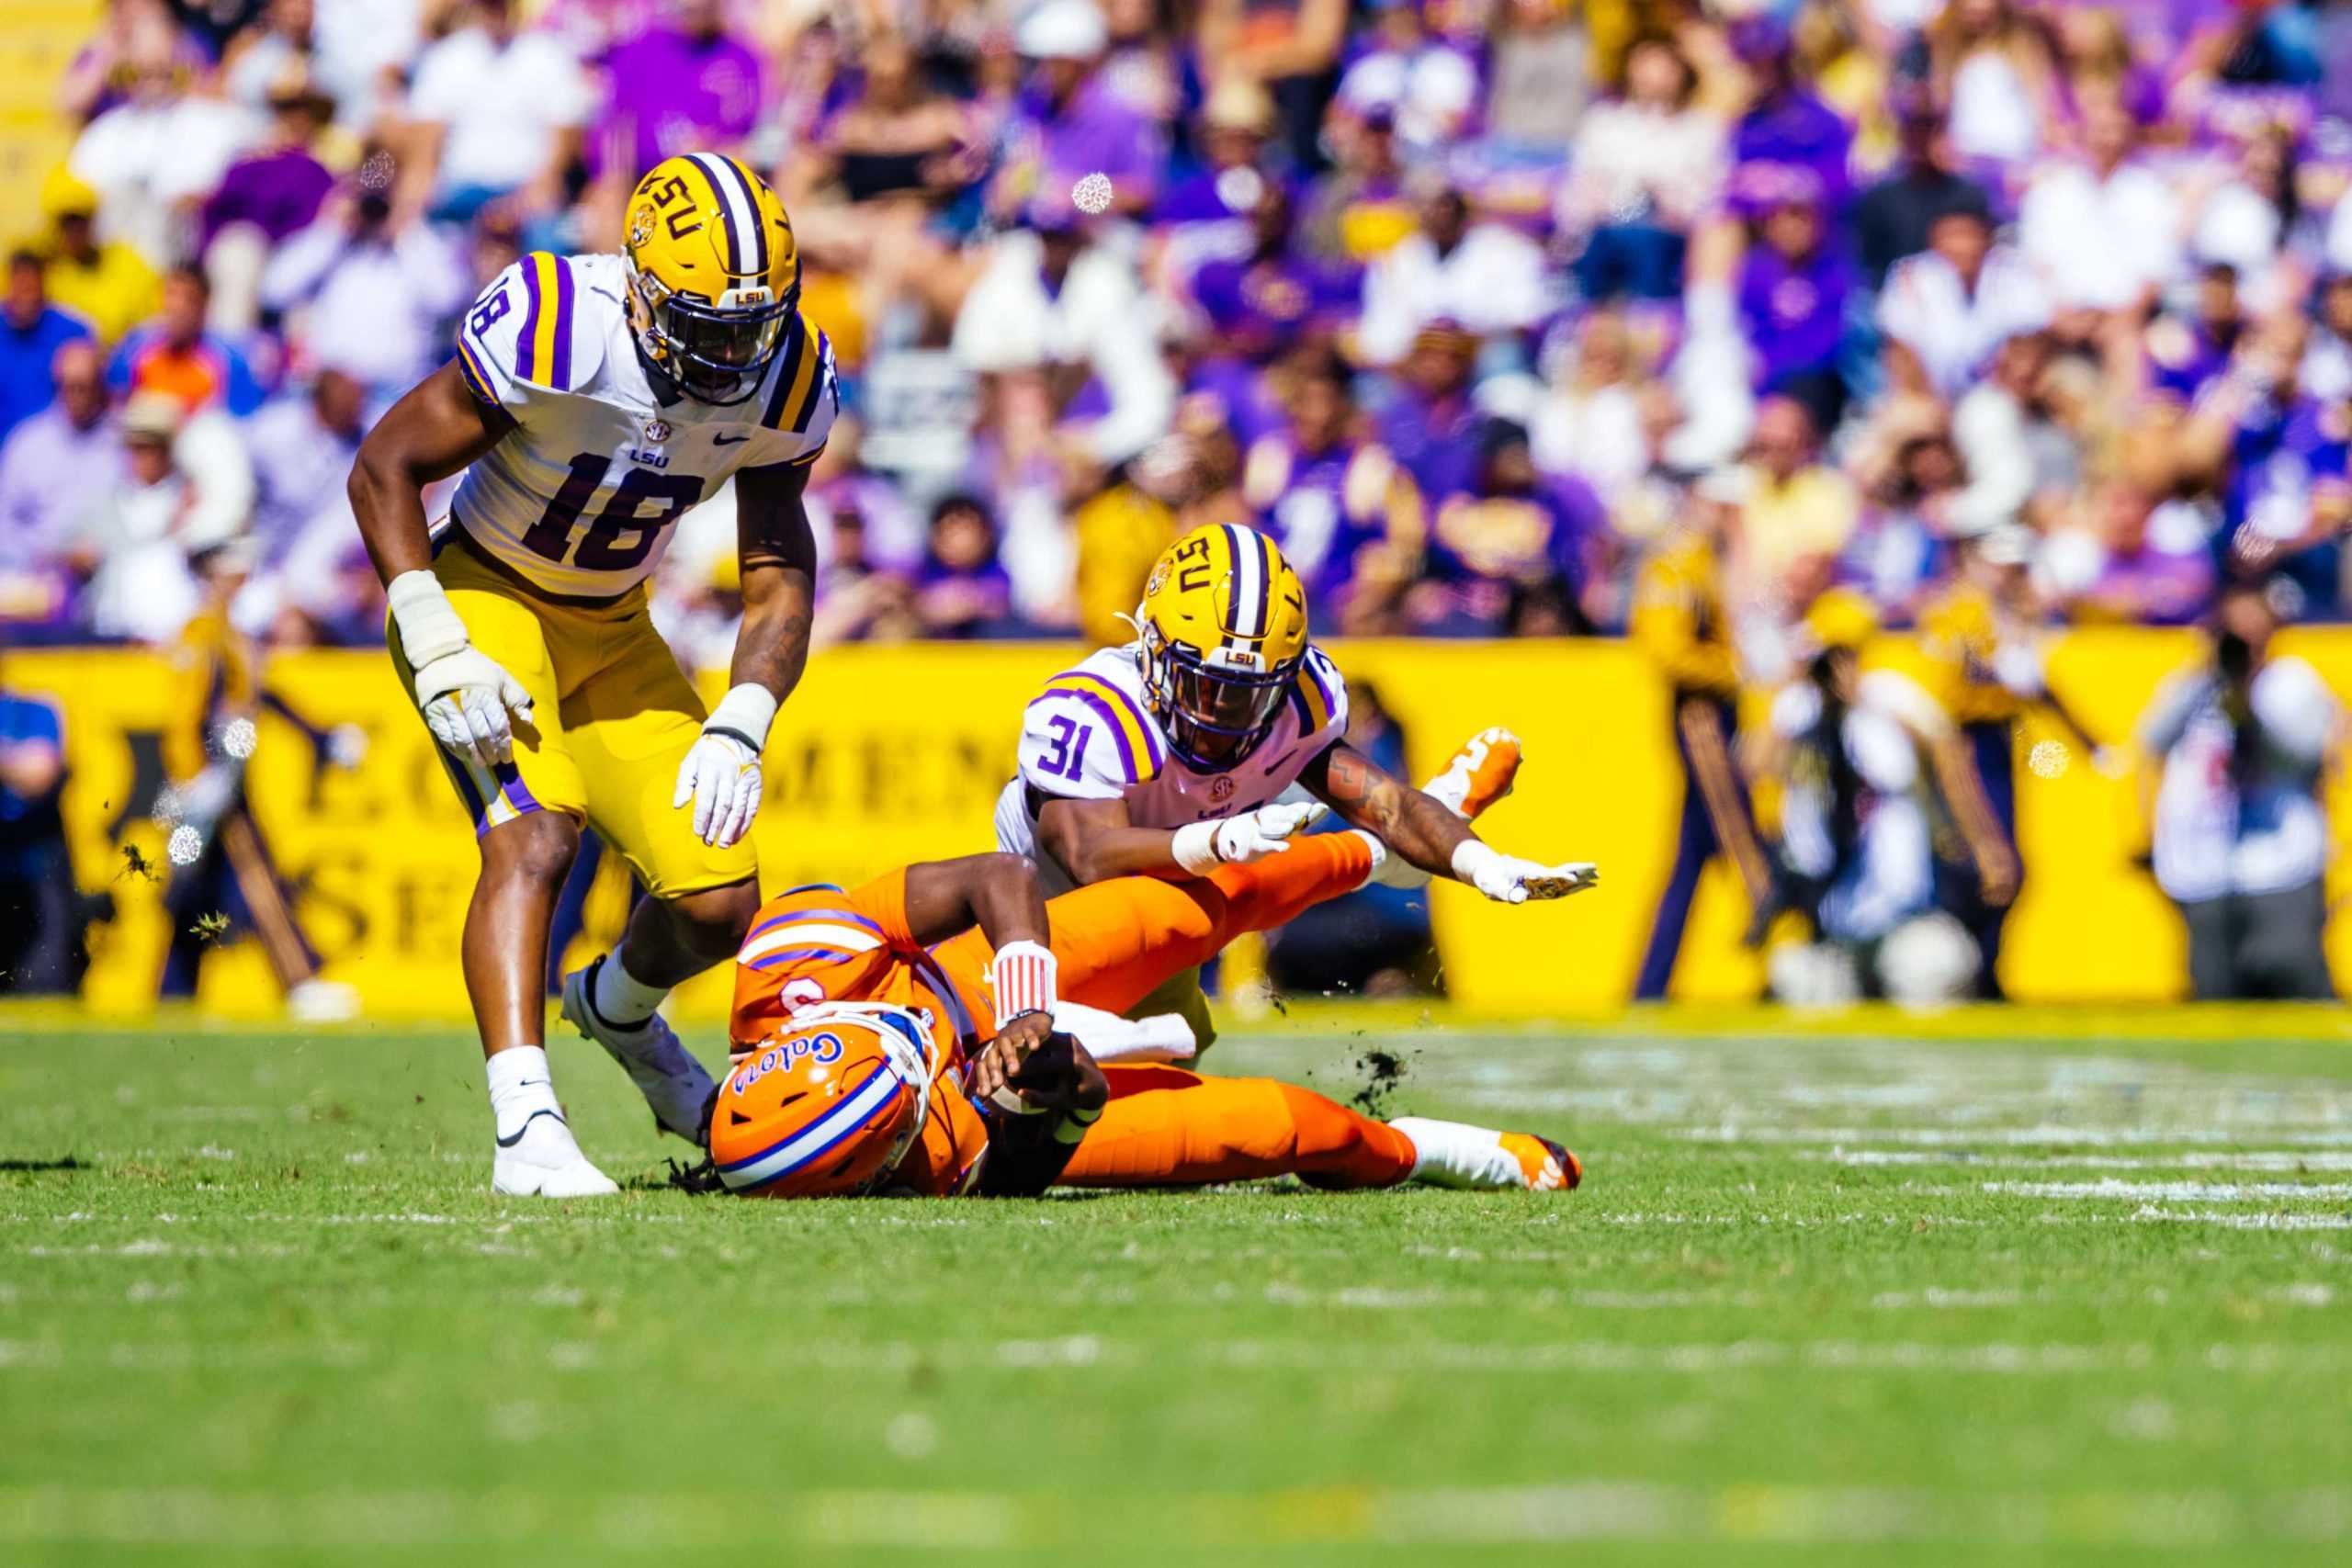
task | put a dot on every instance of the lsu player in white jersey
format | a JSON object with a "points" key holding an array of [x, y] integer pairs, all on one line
{"points": [[1175, 754], [591, 401]]}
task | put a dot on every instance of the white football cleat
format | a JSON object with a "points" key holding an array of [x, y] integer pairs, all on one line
{"points": [[674, 1084], [540, 1160]]}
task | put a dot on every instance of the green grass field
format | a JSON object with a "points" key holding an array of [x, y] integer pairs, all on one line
{"points": [[1963, 1296]]}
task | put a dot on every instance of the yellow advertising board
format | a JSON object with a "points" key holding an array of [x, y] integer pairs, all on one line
{"points": [[891, 754]]}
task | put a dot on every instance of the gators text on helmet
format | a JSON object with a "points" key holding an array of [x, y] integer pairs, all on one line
{"points": [[714, 274], [1224, 629]]}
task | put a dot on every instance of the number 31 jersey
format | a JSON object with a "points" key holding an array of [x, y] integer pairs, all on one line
{"points": [[1092, 735], [578, 499]]}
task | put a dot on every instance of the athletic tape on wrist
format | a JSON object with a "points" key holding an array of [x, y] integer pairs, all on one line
{"points": [[744, 714], [1195, 848], [429, 626], [1471, 856], [1023, 977]]}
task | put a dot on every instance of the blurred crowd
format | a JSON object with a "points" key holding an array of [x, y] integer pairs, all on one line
{"points": [[1718, 321], [1472, 303]]}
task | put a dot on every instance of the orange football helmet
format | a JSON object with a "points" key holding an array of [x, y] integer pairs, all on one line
{"points": [[826, 1108]]}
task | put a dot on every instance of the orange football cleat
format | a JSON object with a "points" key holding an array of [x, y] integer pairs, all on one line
{"points": [[1479, 774], [1548, 1167]]}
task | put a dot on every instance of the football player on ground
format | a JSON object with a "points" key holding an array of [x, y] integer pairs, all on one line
{"points": [[890, 1037], [592, 398], [1178, 752]]}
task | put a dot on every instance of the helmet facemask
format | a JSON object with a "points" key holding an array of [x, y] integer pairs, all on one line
{"points": [[716, 355], [1216, 708]]}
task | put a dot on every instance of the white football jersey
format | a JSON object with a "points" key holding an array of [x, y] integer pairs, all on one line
{"points": [[580, 499], [1092, 735]]}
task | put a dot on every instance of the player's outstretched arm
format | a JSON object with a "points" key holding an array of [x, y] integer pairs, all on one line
{"points": [[721, 776], [1420, 828], [436, 430], [1094, 839]]}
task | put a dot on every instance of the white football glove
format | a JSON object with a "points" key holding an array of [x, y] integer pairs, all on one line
{"points": [[465, 696], [1507, 879], [1201, 847], [721, 774], [463, 692]]}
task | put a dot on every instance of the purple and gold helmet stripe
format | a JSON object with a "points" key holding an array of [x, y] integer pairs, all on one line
{"points": [[739, 206], [1252, 571]]}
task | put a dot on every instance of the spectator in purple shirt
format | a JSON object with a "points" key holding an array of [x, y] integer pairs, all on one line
{"points": [[1794, 285], [1428, 420], [276, 187], [1207, 215], [685, 87], [1344, 510], [963, 589], [1073, 122], [1259, 303], [1786, 122], [1508, 553]]}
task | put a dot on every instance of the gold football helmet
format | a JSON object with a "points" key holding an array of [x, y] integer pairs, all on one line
{"points": [[714, 274], [1223, 625]]}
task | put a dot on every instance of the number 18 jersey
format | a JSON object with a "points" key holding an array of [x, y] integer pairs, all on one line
{"points": [[578, 499]]}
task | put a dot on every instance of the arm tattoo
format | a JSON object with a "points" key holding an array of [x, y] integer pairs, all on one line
{"points": [[1366, 796]]}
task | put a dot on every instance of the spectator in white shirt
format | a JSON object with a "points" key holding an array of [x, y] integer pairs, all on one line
{"points": [[1483, 276], [2105, 231], [156, 153], [2238, 745], [1049, 300], [367, 291], [1946, 310], [502, 109], [135, 540], [55, 466]]}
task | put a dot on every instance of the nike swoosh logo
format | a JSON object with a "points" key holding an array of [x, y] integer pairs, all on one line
{"points": [[531, 1083], [1280, 760], [509, 1142], [725, 440]]}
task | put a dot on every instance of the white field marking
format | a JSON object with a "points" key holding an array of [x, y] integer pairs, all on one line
{"points": [[2244, 1222], [351, 1519], [1708, 1359], [1938, 1299], [2178, 1191], [2305, 1293], [2278, 1161], [2042, 1136]]}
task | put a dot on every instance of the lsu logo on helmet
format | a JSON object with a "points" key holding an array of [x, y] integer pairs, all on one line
{"points": [[828, 1107], [1223, 625], [714, 274]]}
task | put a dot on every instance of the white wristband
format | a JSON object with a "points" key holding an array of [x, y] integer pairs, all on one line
{"points": [[745, 712], [1023, 977], [428, 623], [1195, 848], [1471, 856]]}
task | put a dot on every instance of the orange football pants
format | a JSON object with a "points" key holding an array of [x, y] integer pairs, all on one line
{"points": [[1115, 942]]}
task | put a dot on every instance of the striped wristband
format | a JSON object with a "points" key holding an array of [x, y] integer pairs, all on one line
{"points": [[1023, 977]]}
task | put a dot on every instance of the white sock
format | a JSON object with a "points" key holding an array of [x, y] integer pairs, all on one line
{"points": [[1454, 1154], [521, 1085], [1390, 869], [619, 996]]}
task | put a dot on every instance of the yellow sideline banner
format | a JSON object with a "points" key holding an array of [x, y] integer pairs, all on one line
{"points": [[891, 754]]}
